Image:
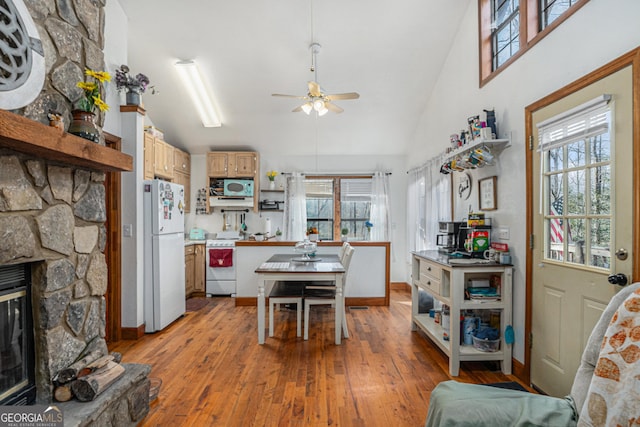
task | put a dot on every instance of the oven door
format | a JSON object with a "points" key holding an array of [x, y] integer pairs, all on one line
{"points": [[220, 280]]}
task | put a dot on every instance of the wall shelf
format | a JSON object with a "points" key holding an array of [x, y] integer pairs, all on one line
{"points": [[495, 145]]}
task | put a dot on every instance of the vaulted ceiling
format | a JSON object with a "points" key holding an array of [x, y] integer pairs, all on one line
{"points": [[390, 52]]}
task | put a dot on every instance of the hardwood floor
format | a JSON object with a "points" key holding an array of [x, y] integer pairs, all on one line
{"points": [[215, 373]]}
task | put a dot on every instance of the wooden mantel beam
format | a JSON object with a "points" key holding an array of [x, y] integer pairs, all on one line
{"points": [[27, 136]]}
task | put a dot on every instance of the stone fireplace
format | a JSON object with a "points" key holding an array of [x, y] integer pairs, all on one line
{"points": [[53, 213]]}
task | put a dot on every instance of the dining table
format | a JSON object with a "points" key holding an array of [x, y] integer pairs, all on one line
{"points": [[293, 267]]}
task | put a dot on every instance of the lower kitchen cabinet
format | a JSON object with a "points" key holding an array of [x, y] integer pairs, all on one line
{"points": [[199, 269], [189, 270]]}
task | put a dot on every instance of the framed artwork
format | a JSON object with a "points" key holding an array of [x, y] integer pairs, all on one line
{"points": [[488, 193]]}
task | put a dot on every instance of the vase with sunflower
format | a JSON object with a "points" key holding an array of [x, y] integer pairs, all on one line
{"points": [[83, 122]]}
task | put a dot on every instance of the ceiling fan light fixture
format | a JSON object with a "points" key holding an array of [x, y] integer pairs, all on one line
{"points": [[318, 105], [202, 100], [323, 111], [307, 108]]}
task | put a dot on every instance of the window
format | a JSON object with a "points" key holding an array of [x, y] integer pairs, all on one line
{"points": [[508, 28], [576, 153], [505, 37], [338, 202], [320, 204], [550, 10]]}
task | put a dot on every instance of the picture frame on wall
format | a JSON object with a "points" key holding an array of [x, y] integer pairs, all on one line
{"points": [[488, 193]]}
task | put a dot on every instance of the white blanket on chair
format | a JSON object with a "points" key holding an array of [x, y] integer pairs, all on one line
{"points": [[613, 398]]}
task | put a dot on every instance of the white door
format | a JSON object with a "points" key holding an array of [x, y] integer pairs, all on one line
{"points": [[582, 200]]}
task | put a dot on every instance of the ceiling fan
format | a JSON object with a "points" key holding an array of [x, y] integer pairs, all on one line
{"points": [[316, 99]]}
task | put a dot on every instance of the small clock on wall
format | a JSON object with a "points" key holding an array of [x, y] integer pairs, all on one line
{"points": [[464, 186]]}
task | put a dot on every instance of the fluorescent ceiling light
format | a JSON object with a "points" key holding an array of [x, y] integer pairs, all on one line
{"points": [[199, 93]]}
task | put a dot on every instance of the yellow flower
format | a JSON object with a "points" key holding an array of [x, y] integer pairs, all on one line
{"points": [[88, 86], [272, 175], [100, 103], [101, 76]]}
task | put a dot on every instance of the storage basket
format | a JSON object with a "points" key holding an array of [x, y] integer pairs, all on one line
{"points": [[486, 345]]}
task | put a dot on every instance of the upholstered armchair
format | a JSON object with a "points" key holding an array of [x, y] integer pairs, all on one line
{"points": [[605, 391]]}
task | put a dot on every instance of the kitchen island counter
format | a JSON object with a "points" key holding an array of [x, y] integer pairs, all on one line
{"points": [[368, 282]]}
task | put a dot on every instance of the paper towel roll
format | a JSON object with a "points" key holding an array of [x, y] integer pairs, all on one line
{"points": [[267, 226]]}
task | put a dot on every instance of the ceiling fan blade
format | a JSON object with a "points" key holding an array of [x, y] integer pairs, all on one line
{"points": [[297, 109], [314, 89], [342, 96], [289, 96], [333, 107]]}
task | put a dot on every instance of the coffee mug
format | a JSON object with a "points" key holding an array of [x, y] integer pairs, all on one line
{"points": [[505, 258], [491, 254]]}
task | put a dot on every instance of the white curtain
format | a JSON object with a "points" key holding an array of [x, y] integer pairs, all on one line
{"points": [[380, 213], [295, 208], [428, 202]]}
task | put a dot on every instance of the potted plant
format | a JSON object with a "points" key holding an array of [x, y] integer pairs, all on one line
{"points": [[345, 234], [133, 86], [312, 232], [83, 122], [272, 179], [278, 234]]}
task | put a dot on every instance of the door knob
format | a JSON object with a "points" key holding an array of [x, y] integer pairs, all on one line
{"points": [[622, 254], [618, 279]]}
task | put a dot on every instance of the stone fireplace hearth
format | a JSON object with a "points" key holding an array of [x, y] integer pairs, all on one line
{"points": [[52, 218]]}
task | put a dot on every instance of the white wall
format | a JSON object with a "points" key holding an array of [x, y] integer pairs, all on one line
{"points": [[115, 54], [310, 164], [598, 33]]}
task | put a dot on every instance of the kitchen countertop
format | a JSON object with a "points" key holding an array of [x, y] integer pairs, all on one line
{"points": [[189, 242], [446, 259]]}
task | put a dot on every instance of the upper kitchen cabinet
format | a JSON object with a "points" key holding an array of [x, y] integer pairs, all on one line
{"points": [[149, 159], [182, 174], [163, 159], [232, 164], [223, 164]]}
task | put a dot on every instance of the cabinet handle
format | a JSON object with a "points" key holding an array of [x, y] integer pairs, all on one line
{"points": [[429, 282], [428, 268]]}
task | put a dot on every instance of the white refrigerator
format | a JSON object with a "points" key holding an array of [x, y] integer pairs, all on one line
{"points": [[164, 293]]}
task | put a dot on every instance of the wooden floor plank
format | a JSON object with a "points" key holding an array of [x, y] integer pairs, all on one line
{"points": [[215, 373]]}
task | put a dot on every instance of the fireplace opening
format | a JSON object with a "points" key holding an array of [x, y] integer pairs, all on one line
{"points": [[17, 360]]}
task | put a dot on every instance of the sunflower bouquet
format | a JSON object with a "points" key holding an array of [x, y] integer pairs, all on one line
{"points": [[91, 91]]}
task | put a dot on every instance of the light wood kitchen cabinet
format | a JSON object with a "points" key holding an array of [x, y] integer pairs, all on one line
{"points": [[182, 174], [194, 270], [149, 158], [233, 164], [217, 164], [199, 269], [240, 164], [163, 159], [189, 270]]}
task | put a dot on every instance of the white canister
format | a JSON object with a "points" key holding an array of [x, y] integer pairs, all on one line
{"points": [[267, 226]]}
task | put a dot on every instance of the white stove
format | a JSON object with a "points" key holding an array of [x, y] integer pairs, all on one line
{"points": [[220, 243], [221, 272]]}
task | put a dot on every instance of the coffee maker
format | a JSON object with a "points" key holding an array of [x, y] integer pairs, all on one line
{"points": [[448, 239]]}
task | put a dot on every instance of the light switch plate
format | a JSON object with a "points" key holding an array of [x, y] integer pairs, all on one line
{"points": [[127, 230], [503, 233]]}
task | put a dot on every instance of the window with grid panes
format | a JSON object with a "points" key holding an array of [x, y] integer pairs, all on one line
{"points": [[505, 35], [550, 10], [576, 155], [351, 204], [508, 28], [355, 206]]}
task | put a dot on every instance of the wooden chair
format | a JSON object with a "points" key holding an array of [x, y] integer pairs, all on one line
{"points": [[285, 292], [318, 294]]}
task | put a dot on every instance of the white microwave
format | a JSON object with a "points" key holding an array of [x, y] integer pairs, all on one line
{"points": [[238, 187]]}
